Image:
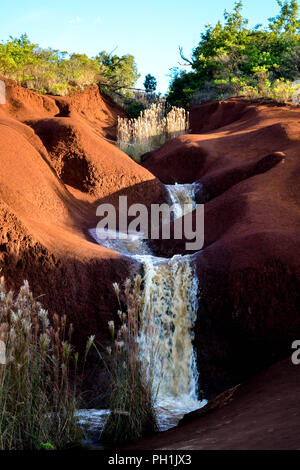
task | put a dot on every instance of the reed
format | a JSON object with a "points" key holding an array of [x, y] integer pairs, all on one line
{"points": [[131, 358], [151, 129], [37, 399]]}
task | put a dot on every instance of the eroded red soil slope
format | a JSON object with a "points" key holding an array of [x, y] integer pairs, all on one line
{"points": [[246, 157], [56, 166], [262, 414]]}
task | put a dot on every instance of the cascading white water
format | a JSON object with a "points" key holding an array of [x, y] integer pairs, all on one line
{"points": [[170, 287], [182, 197]]}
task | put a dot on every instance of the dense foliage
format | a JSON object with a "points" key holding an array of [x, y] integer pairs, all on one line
{"points": [[233, 59], [53, 71]]}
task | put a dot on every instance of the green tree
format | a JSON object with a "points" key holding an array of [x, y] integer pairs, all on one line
{"points": [[150, 83], [287, 21], [16, 56], [53, 71], [117, 73], [231, 56]]}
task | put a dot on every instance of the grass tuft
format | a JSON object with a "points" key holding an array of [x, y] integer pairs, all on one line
{"points": [[131, 357], [37, 400]]}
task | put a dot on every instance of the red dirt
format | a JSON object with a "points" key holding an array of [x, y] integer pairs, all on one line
{"points": [[53, 173], [87, 162], [261, 414], [98, 110], [248, 270], [57, 165]]}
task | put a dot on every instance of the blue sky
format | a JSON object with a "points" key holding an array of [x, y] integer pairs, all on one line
{"points": [[151, 31]]}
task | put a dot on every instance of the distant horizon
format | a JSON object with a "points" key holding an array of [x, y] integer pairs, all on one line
{"points": [[152, 32]]}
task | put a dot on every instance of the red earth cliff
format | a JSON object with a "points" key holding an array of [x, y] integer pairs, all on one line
{"points": [[56, 166], [246, 157], [58, 163]]}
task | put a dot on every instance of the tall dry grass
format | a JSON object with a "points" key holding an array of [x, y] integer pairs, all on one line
{"points": [[151, 129], [131, 358], [37, 400]]}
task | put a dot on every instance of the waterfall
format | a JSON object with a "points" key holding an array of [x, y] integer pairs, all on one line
{"points": [[182, 197], [170, 289]]}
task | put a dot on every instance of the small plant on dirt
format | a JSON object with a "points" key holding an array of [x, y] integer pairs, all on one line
{"points": [[131, 359], [151, 129], [37, 400], [280, 90]]}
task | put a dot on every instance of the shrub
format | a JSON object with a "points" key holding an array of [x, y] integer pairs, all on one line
{"points": [[282, 91], [37, 400], [56, 72], [262, 87], [134, 109], [135, 346], [151, 129], [231, 50]]}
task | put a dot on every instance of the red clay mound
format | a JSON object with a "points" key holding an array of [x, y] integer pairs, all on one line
{"points": [[255, 133], [262, 414], [99, 110], [248, 270], [211, 116], [54, 173], [23, 104], [43, 238], [87, 162], [44, 222], [90, 105]]}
